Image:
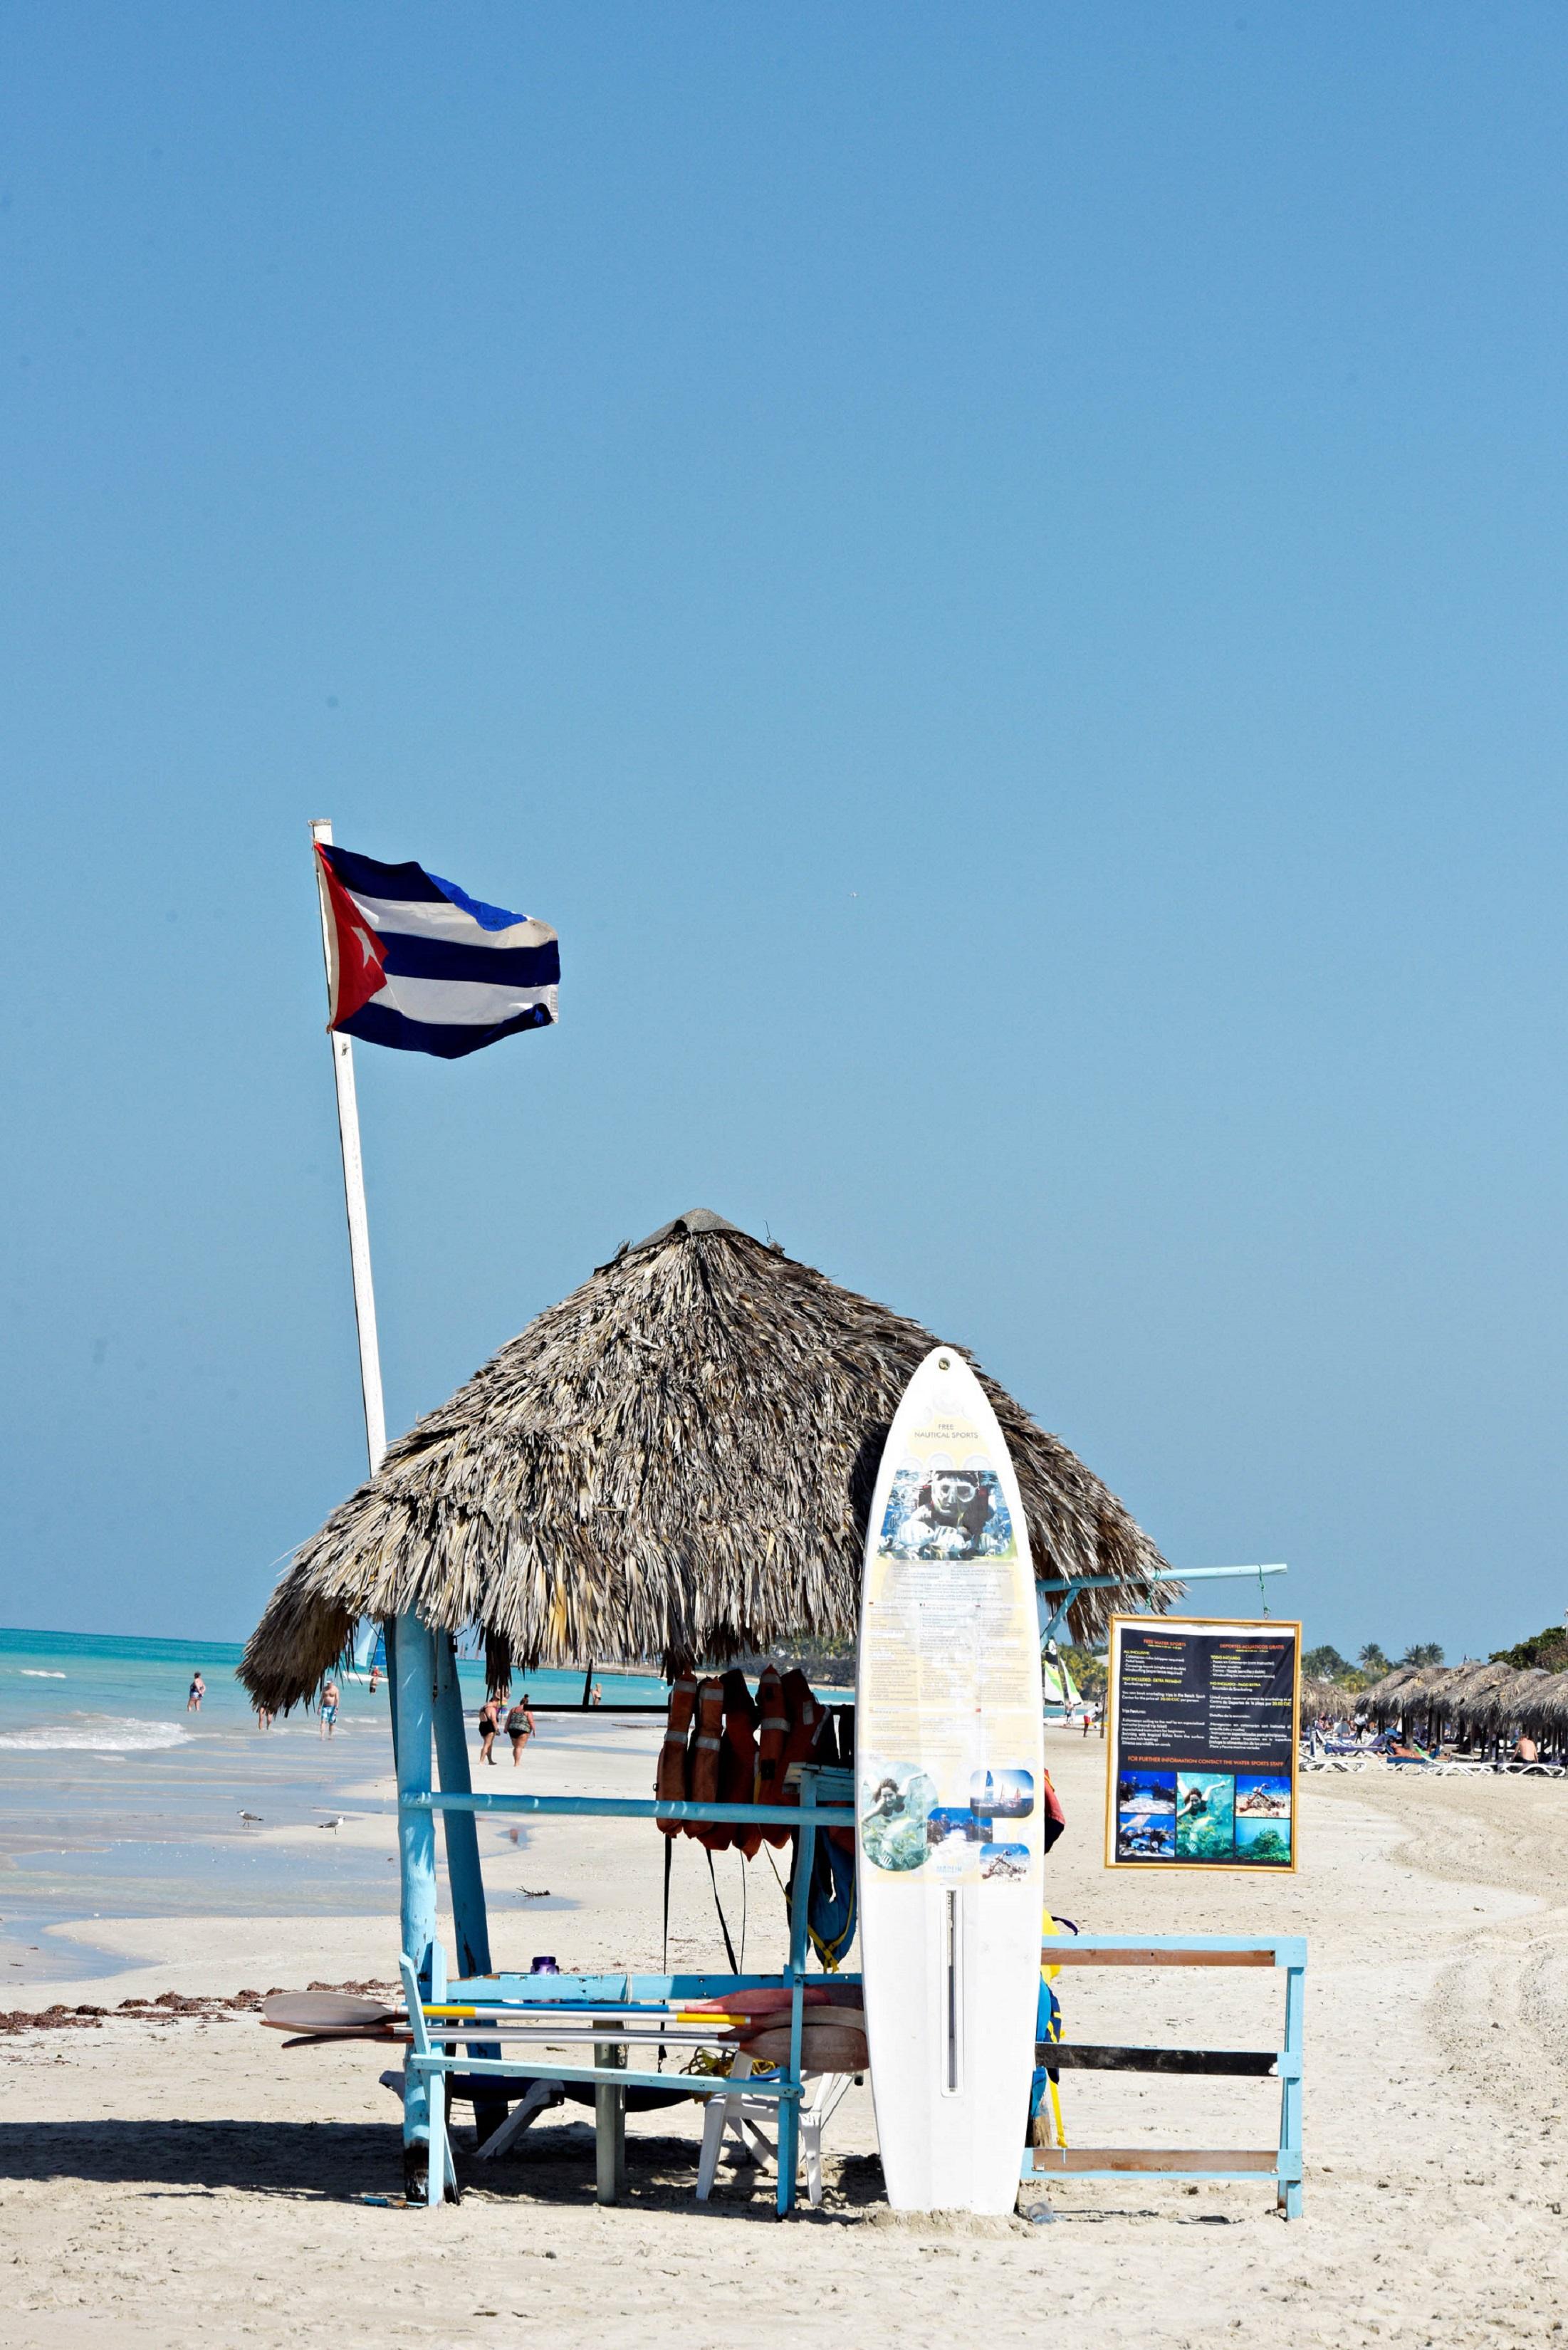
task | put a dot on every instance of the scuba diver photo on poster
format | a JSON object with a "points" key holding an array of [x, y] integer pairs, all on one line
{"points": [[945, 1509]]}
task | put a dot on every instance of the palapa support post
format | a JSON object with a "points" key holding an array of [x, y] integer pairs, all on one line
{"points": [[413, 1692], [470, 1920], [609, 2126], [799, 1913], [471, 1924]]}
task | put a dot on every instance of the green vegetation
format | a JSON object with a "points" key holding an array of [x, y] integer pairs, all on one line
{"points": [[1325, 1662], [1549, 1649], [1088, 1671]]}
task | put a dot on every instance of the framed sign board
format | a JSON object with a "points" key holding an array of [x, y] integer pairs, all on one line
{"points": [[1202, 1716]]}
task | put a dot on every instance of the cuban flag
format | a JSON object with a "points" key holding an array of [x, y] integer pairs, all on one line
{"points": [[415, 963]]}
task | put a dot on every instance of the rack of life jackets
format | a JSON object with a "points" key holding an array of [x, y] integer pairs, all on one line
{"points": [[723, 1745]]}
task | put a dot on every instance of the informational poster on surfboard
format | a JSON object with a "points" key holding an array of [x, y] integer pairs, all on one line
{"points": [[950, 1765], [1201, 1728]]}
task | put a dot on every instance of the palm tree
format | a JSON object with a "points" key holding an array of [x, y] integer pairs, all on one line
{"points": [[1371, 1658]]}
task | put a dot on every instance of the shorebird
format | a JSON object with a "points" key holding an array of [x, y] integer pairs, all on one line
{"points": [[335, 1821], [252, 1819]]}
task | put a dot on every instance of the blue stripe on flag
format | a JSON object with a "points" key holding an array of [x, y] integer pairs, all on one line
{"points": [[410, 957], [489, 918], [368, 877], [374, 1025]]}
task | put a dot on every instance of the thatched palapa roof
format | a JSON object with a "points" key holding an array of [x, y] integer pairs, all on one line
{"points": [[1482, 1701], [1320, 1696], [676, 1463]]}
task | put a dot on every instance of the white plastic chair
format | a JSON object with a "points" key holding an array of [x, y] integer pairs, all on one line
{"points": [[742, 2117]]}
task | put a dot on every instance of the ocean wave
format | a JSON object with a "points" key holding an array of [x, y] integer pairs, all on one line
{"points": [[95, 1738], [36, 1673]]}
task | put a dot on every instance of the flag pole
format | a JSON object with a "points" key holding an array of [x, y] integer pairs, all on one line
{"points": [[353, 1190]]}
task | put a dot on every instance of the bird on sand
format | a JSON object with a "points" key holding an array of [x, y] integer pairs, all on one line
{"points": [[252, 1819]]}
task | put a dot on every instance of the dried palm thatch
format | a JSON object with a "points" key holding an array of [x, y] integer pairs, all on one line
{"points": [[1385, 1699], [676, 1463], [1468, 1699], [1550, 1707], [1320, 1697], [1525, 1700]]}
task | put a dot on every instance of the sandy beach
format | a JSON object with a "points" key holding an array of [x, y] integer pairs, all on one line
{"points": [[189, 2180]]}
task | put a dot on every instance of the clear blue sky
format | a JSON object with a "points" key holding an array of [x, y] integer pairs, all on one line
{"points": [[998, 573]]}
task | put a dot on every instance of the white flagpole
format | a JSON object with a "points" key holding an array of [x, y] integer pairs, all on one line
{"points": [[354, 1195]]}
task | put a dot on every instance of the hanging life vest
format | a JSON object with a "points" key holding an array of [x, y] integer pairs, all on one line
{"points": [[737, 1763], [807, 1739], [671, 1778], [706, 1750], [772, 1729]]}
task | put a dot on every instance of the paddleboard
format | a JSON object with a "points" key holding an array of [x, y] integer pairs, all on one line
{"points": [[949, 1759]]}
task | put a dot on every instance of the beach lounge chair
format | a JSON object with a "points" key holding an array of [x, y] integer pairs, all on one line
{"points": [[742, 2117]]}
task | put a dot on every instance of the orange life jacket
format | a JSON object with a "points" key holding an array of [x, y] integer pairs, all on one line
{"points": [[806, 1723], [737, 1763], [771, 1732], [670, 1779], [707, 1749]]}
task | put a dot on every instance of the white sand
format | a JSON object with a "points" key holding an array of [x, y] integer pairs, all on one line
{"points": [[192, 2181]]}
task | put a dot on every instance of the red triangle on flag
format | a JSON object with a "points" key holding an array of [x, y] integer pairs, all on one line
{"points": [[357, 958]]}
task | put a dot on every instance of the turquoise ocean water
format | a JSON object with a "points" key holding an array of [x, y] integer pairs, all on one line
{"points": [[116, 1802]]}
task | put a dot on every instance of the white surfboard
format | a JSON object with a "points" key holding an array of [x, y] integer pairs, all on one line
{"points": [[950, 1760]]}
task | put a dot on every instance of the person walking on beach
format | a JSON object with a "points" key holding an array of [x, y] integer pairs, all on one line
{"points": [[489, 1723], [330, 1702], [519, 1728], [198, 1691]]}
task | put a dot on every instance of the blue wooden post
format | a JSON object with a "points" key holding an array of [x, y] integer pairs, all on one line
{"points": [[389, 1641], [413, 1687], [1290, 2194], [471, 1927], [800, 1905]]}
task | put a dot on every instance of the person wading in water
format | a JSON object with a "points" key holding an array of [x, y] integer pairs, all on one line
{"points": [[519, 1728]]}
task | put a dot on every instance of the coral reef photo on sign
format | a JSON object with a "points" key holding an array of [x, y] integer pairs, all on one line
{"points": [[942, 1509]]}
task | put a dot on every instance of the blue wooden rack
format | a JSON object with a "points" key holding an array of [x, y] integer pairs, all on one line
{"points": [[427, 1715], [427, 1710], [1286, 1952]]}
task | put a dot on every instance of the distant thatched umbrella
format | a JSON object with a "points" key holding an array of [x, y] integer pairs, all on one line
{"points": [[1384, 1702], [1525, 1700], [675, 1462], [1325, 1696], [1424, 1692], [1468, 1700], [1550, 1707]]}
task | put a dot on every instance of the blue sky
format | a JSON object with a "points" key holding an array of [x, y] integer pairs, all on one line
{"points": [[998, 573]]}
